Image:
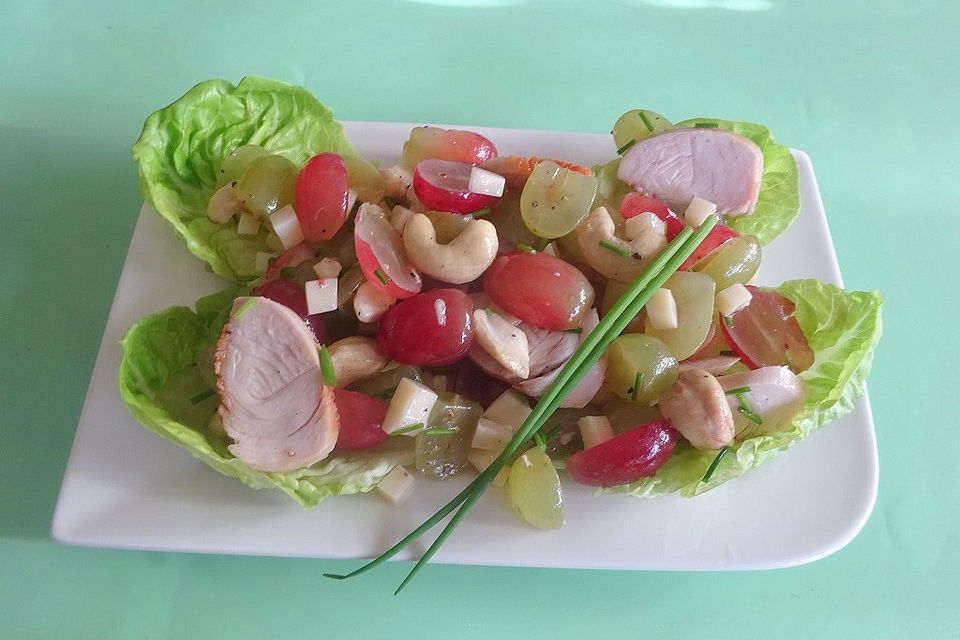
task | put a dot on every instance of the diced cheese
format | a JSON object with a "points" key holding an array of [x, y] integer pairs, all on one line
{"points": [[396, 486], [646, 222], [698, 211], [482, 458], [411, 404], [286, 226], [511, 409], [328, 268], [732, 299], [550, 250], [321, 295], [662, 310], [491, 436], [248, 224], [486, 182], [595, 430]]}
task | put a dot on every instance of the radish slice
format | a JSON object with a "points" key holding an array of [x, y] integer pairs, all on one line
{"points": [[443, 185], [381, 254]]}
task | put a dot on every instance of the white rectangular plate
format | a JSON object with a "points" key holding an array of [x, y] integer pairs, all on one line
{"points": [[125, 487]]}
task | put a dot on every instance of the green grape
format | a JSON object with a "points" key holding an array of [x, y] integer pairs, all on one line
{"points": [[694, 294], [555, 200], [534, 490], [735, 262], [364, 178], [267, 185], [626, 414], [637, 125], [447, 226], [443, 455], [383, 385], [505, 216], [237, 162], [639, 367], [613, 290]]}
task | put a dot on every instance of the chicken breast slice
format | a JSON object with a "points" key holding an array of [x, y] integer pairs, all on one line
{"points": [[716, 165], [273, 403], [776, 396]]}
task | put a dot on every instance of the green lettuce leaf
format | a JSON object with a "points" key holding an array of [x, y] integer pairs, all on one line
{"points": [[167, 381], [182, 146], [842, 329], [779, 199]]}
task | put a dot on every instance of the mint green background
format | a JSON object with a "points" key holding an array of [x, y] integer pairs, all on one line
{"points": [[868, 89]]}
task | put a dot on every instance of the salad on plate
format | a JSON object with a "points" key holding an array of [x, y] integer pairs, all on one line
{"points": [[390, 325]]}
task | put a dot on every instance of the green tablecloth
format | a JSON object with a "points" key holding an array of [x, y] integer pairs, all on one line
{"points": [[869, 90]]}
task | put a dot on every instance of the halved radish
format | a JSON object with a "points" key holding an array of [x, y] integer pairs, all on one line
{"points": [[381, 254], [443, 185]]}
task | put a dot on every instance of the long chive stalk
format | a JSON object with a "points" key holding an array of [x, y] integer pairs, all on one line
{"points": [[592, 348]]}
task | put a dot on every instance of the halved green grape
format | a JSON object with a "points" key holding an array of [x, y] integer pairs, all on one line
{"points": [[626, 414], [511, 230], [441, 448], [636, 125], [267, 185], [694, 295], [555, 200], [364, 178], [383, 385], [534, 491], [735, 262], [613, 290], [237, 162], [639, 367]]}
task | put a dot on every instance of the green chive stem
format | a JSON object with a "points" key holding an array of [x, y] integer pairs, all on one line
{"points": [[738, 391], [750, 415], [636, 386], [612, 247], [646, 121], [326, 367], [526, 247], [203, 395], [481, 212], [538, 439], [438, 432], [407, 429], [624, 148], [381, 276], [706, 125], [714, 464]]}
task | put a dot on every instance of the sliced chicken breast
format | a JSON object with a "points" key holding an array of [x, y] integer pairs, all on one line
{"points": [[776, 396], [273, 401], [716, 165]]}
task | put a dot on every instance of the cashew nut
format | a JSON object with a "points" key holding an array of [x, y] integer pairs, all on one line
{"points": [[399, 216], [696, 406], [355, 358], [504, 341], [396, 180], [597, 237], [463, 259]]}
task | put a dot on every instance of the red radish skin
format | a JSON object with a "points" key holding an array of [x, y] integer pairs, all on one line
{"points": [[369, 265], [442, 185], [540, 289], [632, 455], [765, 333], [361, 418], [321, 197], [431, 329]]}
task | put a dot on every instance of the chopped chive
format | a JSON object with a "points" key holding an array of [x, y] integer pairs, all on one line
{"points": [[391, 202], [574, 330], [714, 464], [646, 121], [738, 391], [526, 247], [590, 350], [615, 248], [203, 395], [750, 414], [636, 386], [489, 310], [727, 320], [728, 352], [481, 212], [381, 276], [244, 308], [554, 430], [438, 432], [744, 403], [539, 440], [288, 272], [326, 367], [706, 125], [407, 429], [624, 148]]}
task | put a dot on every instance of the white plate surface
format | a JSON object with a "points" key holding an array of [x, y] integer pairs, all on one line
{"points": [[125, 487]]}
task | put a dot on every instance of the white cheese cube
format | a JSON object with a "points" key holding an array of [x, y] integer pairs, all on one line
{"points": [[248, 224], [491, 436], [328, 268], [595, 430], [286, 226], [698, 211], [321, 295], [732, 299], [662, 310], [646, 222], [411, 404], [486, 182], [263, 261], [396, 486], [511, 409]]}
